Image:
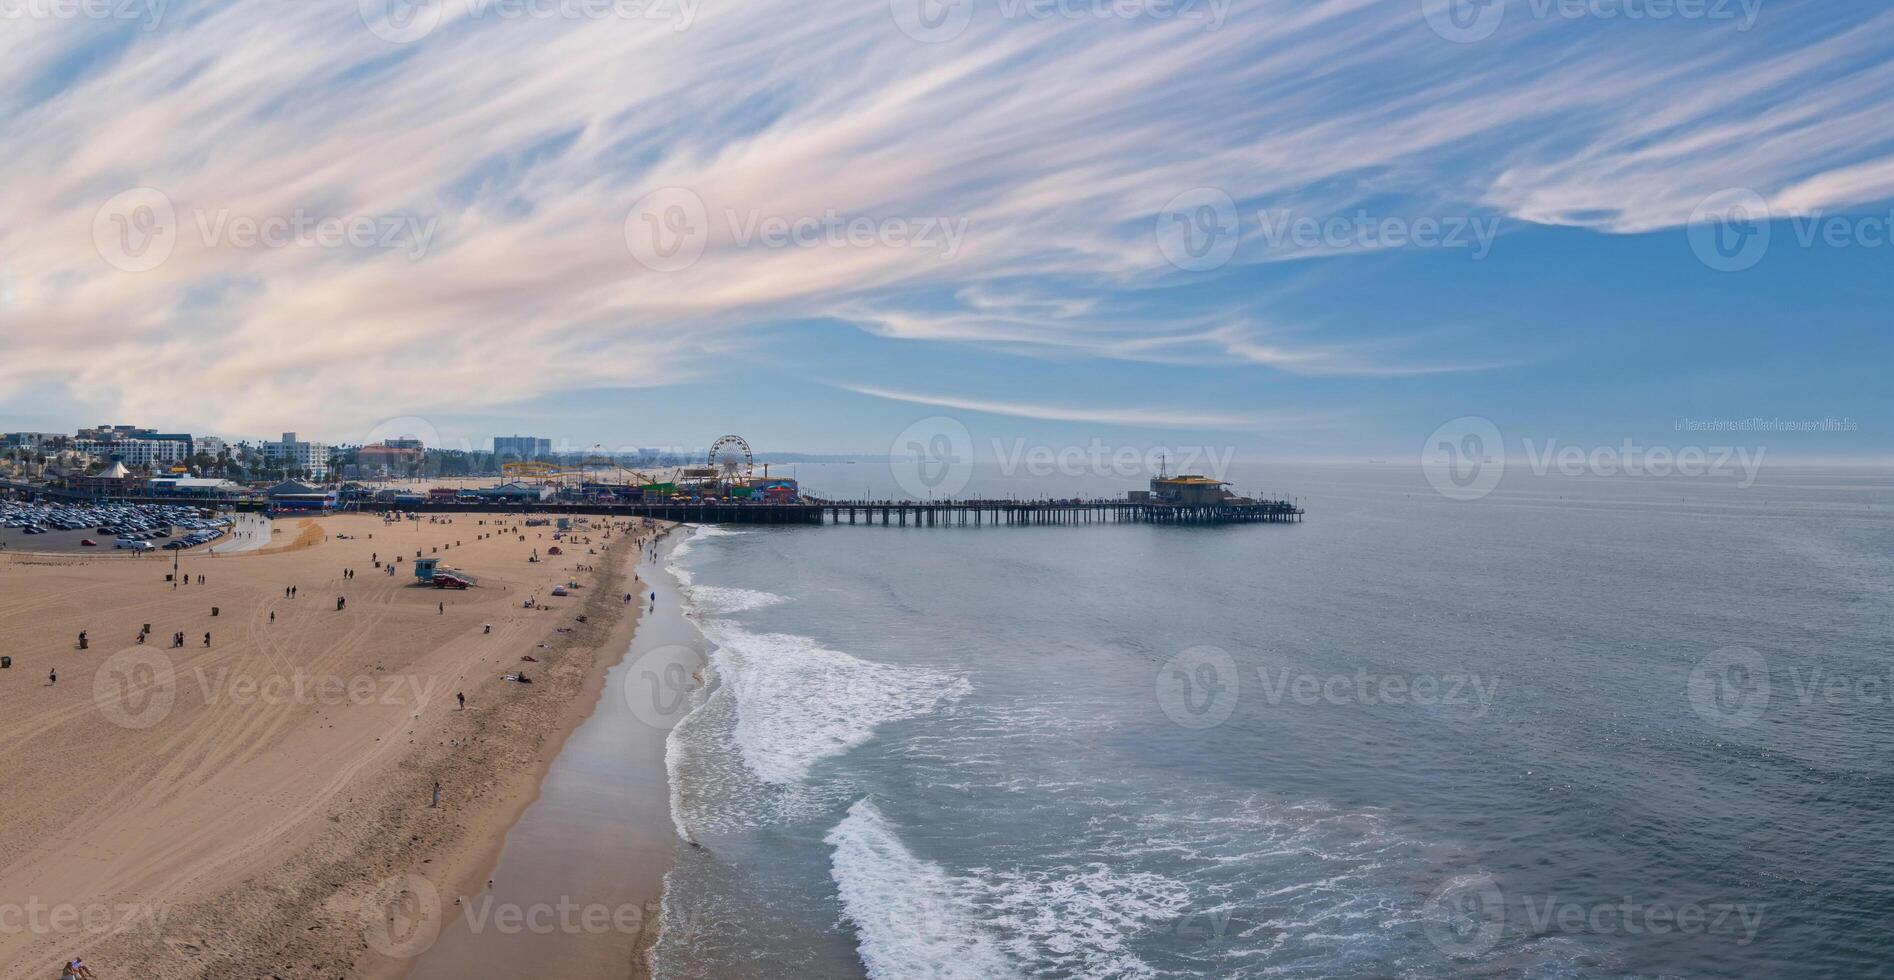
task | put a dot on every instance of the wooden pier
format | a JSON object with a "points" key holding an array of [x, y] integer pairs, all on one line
{"points": [[813, 511], [977, 513]]}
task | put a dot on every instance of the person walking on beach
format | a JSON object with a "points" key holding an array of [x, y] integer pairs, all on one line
{"points": [[437, 795], [52, 679], [462, 695], [443, 608], [272, 615]]}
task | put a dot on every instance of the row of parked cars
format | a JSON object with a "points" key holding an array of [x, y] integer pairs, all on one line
{"points": [[133, 526]]}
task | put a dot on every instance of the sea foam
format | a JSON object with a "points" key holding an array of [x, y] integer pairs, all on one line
{"points": [[798, 702], [912, 917]]}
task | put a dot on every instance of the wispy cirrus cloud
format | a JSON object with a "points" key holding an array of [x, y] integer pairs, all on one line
{"points": [[1136, 417], [524, 143]]}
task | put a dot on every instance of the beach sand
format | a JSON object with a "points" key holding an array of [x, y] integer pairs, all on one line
{"points": [[261, 807]]}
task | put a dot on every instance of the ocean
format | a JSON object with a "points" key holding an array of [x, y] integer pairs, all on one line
{"points": [[1581, 727]]}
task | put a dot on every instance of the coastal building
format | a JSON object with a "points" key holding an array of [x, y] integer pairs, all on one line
{"points": [[521, 447], [190, 486], [1189, 489], [114, 480], [296, 495], [294, 454], [391, 456], [135, 447], [31, 440], [514, 493]]}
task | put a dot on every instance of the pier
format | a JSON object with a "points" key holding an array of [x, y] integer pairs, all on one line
{"points": [[811, 511], [977, 513]]}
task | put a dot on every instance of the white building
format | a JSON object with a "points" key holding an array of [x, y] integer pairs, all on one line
{"points": [[141, 449], [293, 454]]}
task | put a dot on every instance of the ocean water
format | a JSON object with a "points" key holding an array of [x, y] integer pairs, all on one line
{"points": [[1579, 728]]}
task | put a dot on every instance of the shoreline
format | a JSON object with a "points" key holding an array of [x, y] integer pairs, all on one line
{"points": [[596, 839]]}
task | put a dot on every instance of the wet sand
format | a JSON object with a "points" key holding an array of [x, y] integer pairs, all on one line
{"points": [[583, 869]]}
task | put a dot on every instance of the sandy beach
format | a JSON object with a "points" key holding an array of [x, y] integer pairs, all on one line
{"points": [[263, 805]]}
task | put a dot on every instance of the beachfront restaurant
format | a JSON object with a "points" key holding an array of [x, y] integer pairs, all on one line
{"points": [[296, 495]]}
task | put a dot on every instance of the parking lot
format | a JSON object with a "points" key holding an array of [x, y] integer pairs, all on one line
{"points": [[109, 527]]}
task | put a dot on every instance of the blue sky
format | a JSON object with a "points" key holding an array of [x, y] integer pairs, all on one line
{"points": [[650, 224]]}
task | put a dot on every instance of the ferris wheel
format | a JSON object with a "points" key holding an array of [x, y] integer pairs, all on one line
{"points": [[730, 456]]}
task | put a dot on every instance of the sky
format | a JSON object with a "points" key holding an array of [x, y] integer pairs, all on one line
{"points": [[1294, 230]]}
